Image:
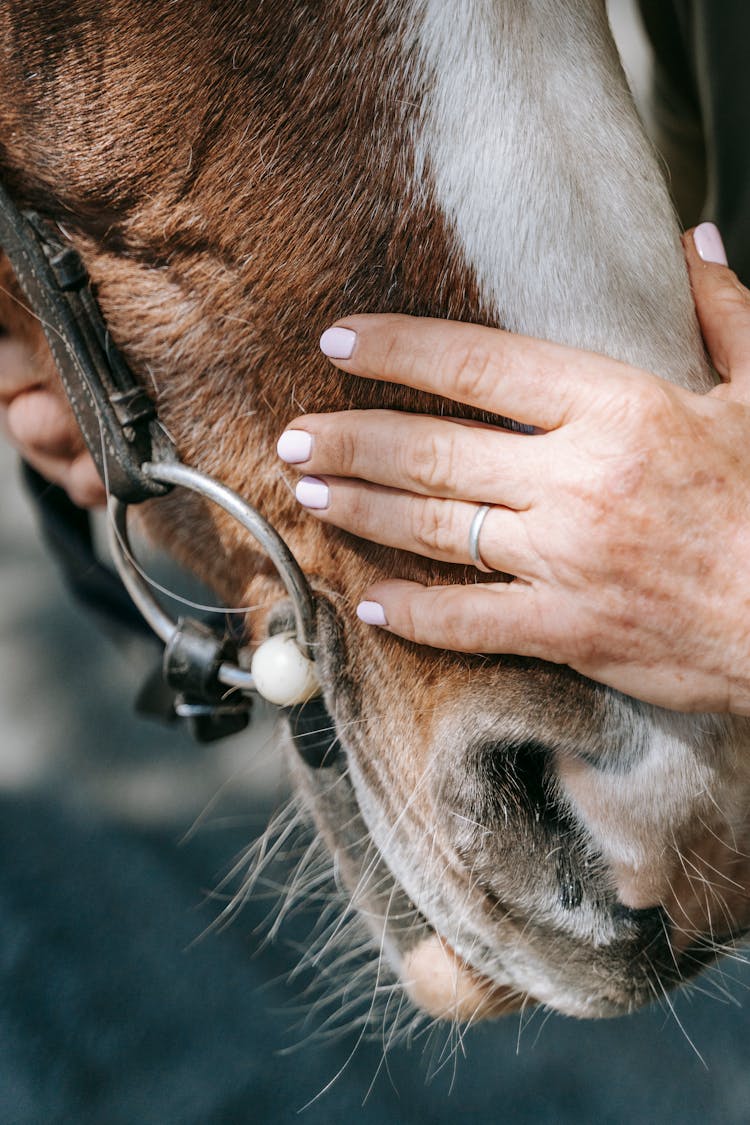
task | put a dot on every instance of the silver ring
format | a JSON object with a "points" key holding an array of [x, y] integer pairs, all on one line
{"points": [[474, 532]]}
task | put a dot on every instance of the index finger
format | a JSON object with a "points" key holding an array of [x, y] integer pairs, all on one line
{"points": [[533, 381]]}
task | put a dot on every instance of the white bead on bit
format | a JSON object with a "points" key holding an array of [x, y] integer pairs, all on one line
{"points": [[283, 675]]}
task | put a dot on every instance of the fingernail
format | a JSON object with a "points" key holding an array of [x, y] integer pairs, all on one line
{"points": [[338, 343], [294, 446], [372, 613], [709, 244], [313, 493]]}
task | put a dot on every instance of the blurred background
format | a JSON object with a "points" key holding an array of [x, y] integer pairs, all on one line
{"points": [[119, 1003]]}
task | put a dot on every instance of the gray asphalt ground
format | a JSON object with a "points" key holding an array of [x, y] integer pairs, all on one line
{"points": [[117, 1005]]}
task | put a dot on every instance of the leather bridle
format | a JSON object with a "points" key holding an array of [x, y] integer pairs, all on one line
{"points": [[138, 461]]}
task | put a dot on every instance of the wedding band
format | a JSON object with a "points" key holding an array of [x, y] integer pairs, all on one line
{"points": [[474, 532]]}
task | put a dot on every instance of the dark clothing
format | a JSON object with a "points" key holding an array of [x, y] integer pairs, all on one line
{"points": [[114, 1012], [702, 90]]}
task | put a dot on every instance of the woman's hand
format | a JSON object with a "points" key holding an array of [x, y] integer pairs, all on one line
{"points": [[625, 523], [41, 425]]}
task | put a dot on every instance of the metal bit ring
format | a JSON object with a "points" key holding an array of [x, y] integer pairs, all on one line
{"points": [[292, 576]]}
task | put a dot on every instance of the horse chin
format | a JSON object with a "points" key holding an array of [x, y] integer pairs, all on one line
{"points": [[444, 986]]}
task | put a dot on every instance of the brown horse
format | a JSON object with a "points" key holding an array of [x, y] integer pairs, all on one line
{"points": [[235, 176]]}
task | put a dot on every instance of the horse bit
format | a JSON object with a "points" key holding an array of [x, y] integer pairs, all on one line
{"points": [[138, 462]]}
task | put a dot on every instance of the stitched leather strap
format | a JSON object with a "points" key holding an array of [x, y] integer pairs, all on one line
{"points": [[117, 417]]}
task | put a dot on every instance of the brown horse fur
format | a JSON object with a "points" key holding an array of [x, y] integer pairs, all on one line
{"points": [[238, 175]]}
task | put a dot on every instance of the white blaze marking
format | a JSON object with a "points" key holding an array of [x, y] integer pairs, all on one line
{"points": [[530, 145]]}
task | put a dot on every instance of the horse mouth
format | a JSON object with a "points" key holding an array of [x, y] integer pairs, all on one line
{"points": [[470, 984], [443, 982], [446, 987]]}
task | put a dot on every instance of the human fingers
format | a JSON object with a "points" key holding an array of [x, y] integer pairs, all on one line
{"points": [[425, 525], [487, 618], [77, 476], [47, 436], [38, 422], [420, 454], [17, 372], [532, 381], [723, 306], [518, 618], [83, 483]]}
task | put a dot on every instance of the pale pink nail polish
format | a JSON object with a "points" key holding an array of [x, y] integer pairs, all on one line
{"points": [[338, 343], [709, 244], [294, 446], [313, 493], [372, 613]]}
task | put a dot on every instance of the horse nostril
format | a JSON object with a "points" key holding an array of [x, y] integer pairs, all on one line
{"points": [[517, 776], [570, 884], [642, 920]]}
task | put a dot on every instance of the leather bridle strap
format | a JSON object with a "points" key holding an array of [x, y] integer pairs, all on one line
{"points": [[116, 416], [137, 461]]}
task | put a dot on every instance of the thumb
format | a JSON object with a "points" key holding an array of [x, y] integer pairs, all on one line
{"points": [[722, 303]]}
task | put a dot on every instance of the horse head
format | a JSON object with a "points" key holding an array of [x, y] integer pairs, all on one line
{"points": [[238, 175]]}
